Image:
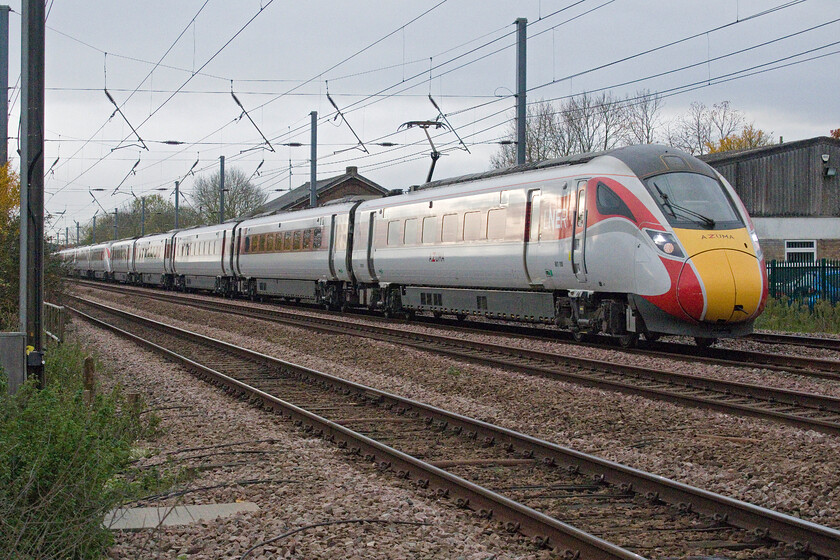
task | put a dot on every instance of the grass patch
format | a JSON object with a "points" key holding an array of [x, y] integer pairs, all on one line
{"points": [[61, 459], [452, 371], [798, 317]]}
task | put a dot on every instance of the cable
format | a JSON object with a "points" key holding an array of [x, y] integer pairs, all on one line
{"points": [[208, 61], [672, 43], [160, 60]]}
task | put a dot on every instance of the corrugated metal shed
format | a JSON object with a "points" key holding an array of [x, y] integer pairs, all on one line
{"points": [[784, 179]]}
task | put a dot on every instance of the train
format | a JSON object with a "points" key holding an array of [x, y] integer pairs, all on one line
{"points": [[637, 241]]}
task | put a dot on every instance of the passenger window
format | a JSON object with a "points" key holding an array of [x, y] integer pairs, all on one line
{"points": [[535, 217], [449, 228], [581, 208], [340, 233], [472, 226], [394, 232], [296, 241], [496, 223], [316, 238], [430, 229], [410, 237], [307, 239], [287, 241]]}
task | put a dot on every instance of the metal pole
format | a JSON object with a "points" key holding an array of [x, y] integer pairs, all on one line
{"points": [[521, 25], [77, 232], [67, 236], [116, 214], [4, 84], [177, 194], [32, 184], [313, 160], [94, 230], [142, 216], [221, 189]]}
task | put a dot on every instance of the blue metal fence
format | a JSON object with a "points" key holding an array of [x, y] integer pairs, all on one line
{"points": [[805, 282]]}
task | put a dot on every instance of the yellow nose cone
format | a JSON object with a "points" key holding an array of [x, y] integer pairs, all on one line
{"points": [[732, 284]]}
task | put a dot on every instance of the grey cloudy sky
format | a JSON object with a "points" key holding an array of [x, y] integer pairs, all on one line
{"points": [[281, 64]]}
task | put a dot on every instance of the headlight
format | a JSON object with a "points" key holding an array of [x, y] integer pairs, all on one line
{"points": [[665, 242], [758, 253]]}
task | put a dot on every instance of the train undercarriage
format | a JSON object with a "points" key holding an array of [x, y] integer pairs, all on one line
{"points": [[583, 313]]}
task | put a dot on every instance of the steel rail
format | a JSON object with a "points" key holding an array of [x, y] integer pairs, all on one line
{"points": [[546, 530], [765, 523], [796, 340], [768, 402], [809, 367]]}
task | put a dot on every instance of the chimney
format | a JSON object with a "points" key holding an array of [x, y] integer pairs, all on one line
{"points": [[352, 170]]}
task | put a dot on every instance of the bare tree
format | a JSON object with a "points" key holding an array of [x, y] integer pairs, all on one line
{"points": [[544, 137], [241, 196], [692, 132], [583, 121], [726, 121], [613, 120], [643, 118]]}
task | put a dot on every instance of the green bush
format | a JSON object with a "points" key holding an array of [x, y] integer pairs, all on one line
{"points": [[59, 457], [798, 317]]}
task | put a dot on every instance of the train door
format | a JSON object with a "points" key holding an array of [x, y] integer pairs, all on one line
{"points": [[579, 233], [532, 236], [331, 253], [371, 230]]}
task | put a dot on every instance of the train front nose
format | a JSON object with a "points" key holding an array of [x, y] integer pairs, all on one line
{"points": [[720, 286]]}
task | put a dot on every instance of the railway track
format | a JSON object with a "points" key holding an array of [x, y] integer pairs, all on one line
{"points": [[796, 340], [800, 409], [580, 505], [810, 367]]}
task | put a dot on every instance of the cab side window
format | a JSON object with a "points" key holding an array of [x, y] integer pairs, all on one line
{"points": [[610, 204]]}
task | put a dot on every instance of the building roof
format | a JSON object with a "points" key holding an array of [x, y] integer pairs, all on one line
{"points": [[750, 153], [323, 186]]}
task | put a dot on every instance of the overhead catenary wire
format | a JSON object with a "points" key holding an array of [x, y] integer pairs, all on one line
{"points": [[233, 143], [140, 84], [230, 40]]}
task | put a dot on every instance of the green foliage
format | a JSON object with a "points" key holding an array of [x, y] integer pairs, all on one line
{"points": [[59, 457], [9, 272], [798, 317]]}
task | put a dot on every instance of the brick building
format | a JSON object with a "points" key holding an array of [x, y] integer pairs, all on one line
{"points": [[349, 184], [792, 193]]}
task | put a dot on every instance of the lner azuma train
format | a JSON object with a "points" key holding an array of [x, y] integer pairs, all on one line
{"points": [[639, 240]]}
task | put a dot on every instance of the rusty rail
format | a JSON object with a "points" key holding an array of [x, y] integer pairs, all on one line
{"points": [[803, 535]]}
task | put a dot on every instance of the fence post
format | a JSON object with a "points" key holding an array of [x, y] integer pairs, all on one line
{"points": [[771, 279], [823, 287]]}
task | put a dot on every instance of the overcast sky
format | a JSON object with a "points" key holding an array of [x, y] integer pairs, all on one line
{"points": [[376, 59]]}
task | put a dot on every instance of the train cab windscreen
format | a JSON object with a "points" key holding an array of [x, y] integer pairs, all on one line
{"points": [[693, 201]]}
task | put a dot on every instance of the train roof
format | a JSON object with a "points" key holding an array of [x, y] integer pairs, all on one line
{"points": [[644, 160]]}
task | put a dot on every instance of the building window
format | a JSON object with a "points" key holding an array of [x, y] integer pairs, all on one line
{"points": [[803, 251]]}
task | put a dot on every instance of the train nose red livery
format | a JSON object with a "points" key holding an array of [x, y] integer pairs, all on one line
{"points": [[644, 240]]}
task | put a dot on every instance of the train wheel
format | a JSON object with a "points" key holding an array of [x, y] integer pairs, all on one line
{"points": [[628, 340], [704, 342]]}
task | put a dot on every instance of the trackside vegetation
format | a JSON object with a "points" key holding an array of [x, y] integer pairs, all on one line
{"points": [[64, 462], [798, 317]]}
